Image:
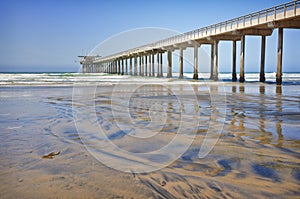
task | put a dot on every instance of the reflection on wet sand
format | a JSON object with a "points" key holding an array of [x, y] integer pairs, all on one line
{"points": [[251, 160]]}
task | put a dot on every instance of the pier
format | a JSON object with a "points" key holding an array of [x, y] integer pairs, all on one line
{"points": [[261, 23]]}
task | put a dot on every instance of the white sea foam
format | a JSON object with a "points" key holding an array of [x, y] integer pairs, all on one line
{"points": [[69, 78]]}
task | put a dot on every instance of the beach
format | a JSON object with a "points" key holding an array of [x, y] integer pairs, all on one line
{"points": [[50, 146]]}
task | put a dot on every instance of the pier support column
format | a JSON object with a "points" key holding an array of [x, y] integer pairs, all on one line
{"points": [[142, 66], [146, 65], [279, 57], [114, 67], [152, 65], [242, 60], [126, 67], [157, 69], [161, 65], [215, 69], [130, 65], [262, 59], [135, 66], [169, 65], [181, 63], [195, 62], [122, 72], [212, 62], [234, 61], [119, 66]]}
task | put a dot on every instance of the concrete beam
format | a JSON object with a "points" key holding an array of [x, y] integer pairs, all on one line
{"points": [[253, 31], [182, 46], [227, 37], [285, 24], [168, 48]]}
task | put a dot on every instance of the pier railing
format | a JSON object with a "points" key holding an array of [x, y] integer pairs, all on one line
{"points": [[280, 12]]}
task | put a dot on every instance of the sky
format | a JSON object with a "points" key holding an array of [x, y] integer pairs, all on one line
{"points": [[48, 35]]}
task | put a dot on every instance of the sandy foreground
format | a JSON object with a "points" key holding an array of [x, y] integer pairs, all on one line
{"points": [[46, 152]]}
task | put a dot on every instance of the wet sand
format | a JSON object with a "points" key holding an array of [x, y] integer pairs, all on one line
{"points": [[256, 156]]}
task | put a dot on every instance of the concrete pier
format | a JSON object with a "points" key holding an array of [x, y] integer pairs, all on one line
{"points": [[260, 23]]}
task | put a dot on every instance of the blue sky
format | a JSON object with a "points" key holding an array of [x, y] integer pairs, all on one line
{"points": [[47, 35]]}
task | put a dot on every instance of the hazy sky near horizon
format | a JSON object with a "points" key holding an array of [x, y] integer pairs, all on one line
{"points": [[48, 35]]}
